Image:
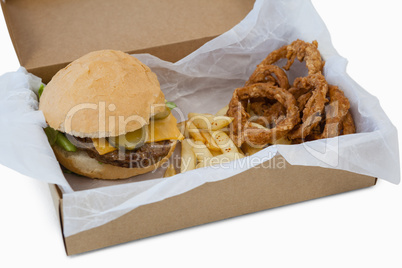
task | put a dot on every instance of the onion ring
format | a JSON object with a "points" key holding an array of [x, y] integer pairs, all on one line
{"points": [[300, 87], [335, 112], [314, 108], [310, 109], [268, 114], [300, 50], [303, 99], [263, 74], [348, 125], [240, 131], [338, 117]]}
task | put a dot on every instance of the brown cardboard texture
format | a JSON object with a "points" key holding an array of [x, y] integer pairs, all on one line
{"points": [[48, 34], [275, 184]]}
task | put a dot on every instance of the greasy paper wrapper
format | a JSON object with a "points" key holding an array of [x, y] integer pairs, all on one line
{"points": [[203, 82]]}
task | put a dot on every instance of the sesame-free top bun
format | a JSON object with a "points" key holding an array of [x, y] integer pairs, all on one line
{"points": [[79, 162], [91, 95]]}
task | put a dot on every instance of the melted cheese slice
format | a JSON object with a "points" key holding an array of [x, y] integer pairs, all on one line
{"points": [[164, 129], [158, 130], [103, 146]]}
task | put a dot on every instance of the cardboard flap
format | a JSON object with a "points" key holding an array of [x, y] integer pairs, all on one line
{"points": [[55, 32]]}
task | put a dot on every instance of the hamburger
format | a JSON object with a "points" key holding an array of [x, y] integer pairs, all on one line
{"points": [[107, 117]]}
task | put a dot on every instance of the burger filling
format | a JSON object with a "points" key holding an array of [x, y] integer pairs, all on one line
{"points": [[146, 155], [137, 149]]}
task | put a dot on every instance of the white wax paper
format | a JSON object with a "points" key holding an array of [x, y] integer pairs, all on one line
{"points": [[24, 147], [204, 82]]}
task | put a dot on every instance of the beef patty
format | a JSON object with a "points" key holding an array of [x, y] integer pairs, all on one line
{"points": [[144, 156]]}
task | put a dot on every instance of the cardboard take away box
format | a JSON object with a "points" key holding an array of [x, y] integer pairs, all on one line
{"points": [[47, 35], [254, 190]]}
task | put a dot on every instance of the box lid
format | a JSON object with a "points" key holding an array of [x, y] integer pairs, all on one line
{"points": [[48, 34]]}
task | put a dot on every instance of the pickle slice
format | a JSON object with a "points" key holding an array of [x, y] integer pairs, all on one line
{"points": [[161, 115], [51, 135], [131, 140]]}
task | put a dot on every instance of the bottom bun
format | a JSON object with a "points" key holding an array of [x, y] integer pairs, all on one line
{"points": [[79, 162]]}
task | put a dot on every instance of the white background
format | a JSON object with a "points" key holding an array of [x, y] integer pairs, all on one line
{"points": [[355, 229]]}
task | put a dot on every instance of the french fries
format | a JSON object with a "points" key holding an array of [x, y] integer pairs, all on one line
{"points": [[249, 150], [210, 142], [219, 159], [252, 124], [209, 121], [216, 153], [206, 142], [283, 140], [188, 159], [170, 171], [201, 151], [223, 111], [224, 142], [194, 132]]}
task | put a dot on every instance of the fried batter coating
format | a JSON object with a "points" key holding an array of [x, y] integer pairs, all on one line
{"points": [[241, 132], [348, 125], [263, 74], [309, 110], [338, 119], [303, 99], [335, 112], [314, 108], [300, 50], [267, 115]]}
